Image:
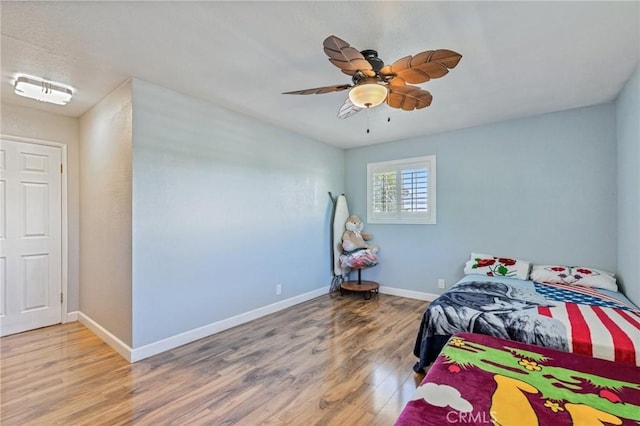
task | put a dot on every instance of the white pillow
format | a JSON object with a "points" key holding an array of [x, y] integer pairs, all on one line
{"points": [[574, 275], [495, 266]]}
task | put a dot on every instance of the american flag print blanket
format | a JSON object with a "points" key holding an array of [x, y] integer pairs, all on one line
{"points": [[597, 325], [568, 318]]}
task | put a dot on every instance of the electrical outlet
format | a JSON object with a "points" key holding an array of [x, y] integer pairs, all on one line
{"points": [[278, 289], [442, 283]]}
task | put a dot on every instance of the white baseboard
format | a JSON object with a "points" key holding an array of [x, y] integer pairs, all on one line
{"points": [[137, 354], [216, 327], [146, 351], [410, 294], [111, 340], [70, 317]]}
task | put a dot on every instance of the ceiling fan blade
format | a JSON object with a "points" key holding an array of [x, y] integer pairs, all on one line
{"points": [[408, 98], [424, 66], [319, 90], [446, 57], [345, 57], [348, 109], [397, 82], [386, 71]]}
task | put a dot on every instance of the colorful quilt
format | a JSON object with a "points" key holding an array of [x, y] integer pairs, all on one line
{"points": [[568, 318], [483, 380]]}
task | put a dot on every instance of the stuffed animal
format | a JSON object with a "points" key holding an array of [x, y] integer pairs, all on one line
{"points": [[353, 238]]}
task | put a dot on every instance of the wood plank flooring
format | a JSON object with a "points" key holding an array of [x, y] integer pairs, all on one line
{"points": [[334, 360]]}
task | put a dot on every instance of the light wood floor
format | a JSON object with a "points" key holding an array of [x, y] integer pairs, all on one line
{"points": [[331, 361]]}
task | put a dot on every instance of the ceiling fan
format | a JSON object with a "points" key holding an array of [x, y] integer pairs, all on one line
{"points": [[374, 82]]}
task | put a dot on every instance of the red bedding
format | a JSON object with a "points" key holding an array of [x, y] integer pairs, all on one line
{"points": [[485, 380]]}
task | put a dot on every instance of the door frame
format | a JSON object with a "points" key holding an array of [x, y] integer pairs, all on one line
{"points": [[64, 228]]}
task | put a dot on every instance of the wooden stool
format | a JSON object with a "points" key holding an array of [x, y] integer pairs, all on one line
{"points": [[365, 287]]}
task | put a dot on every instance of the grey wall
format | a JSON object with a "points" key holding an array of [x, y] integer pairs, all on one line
{"points": [[628, 130], [541, 189], [33, 124], [105, 213], [224, 207]]}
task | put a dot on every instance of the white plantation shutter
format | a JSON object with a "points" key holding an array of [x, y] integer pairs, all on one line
{"points": [[402, 191]]}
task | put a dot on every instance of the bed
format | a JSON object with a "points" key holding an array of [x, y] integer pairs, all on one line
{"points": [[479, 379], [558, 314]]}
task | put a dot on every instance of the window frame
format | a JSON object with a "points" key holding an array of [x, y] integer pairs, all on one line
{"points": [[397, 166]]}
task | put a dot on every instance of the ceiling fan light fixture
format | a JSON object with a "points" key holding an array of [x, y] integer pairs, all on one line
{"points": [[373, 81], [42, 90], [368, 94]]}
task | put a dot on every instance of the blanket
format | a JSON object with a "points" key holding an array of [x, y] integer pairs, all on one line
{"points": [[358, 259], [480, 379], [566, 318]]}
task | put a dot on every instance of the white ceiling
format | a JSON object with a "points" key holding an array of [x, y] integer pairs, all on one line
{"points": [[519, 58]]}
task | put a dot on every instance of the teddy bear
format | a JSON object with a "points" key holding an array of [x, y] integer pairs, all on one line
{"points": [[353, 238]]}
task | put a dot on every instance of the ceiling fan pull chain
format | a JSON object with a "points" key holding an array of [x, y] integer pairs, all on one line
{"points": [[368, 115]]}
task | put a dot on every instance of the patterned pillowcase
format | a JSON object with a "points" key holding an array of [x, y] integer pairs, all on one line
{"points": [[494, 266], [574, 275]]}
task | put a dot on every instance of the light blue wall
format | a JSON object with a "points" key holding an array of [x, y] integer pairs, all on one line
{"points": [[541, 189], [224, 207], [628, 127]]}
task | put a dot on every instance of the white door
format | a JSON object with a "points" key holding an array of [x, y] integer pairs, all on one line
{"points": [[30, 236]]}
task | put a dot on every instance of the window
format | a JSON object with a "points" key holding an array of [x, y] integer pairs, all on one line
{"points": [[402, 191]]}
